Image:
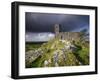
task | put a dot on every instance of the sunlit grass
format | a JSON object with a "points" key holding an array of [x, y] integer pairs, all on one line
{"points": [[76, 58]]}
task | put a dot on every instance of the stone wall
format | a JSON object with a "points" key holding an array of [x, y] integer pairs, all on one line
{"points": [[65, 35], [69, 35]]}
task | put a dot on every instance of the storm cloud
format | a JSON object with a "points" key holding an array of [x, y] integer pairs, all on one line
{"points": [[44, 22], [40, 26]]}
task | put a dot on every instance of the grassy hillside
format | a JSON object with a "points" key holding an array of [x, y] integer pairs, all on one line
{"points": [[58, 52]]}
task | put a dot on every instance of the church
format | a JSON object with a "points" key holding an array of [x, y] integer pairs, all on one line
{"points": [[65, 35]]}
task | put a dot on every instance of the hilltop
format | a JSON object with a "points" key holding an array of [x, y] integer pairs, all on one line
{"points": [[58, 52]]}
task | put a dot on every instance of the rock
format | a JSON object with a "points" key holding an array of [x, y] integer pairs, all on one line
{"points": [[31, 55], [73, 48], [46, 63], [56, 64], [55, 57], [80, 63], [49, 60], [67, 47]]}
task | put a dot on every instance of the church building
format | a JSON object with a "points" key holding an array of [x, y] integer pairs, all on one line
{"points": [[65, 35]]}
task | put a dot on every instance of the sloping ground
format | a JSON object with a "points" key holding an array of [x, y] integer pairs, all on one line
{"points": [[58, 52]]}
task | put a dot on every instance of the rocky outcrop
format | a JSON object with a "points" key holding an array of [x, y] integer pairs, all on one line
{"points": [[32, 55]]}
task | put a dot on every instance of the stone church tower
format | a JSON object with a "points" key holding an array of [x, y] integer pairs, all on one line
{"points": [[56, 29]]}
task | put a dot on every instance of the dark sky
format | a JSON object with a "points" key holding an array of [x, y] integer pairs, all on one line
{"points": [[44, 22]]}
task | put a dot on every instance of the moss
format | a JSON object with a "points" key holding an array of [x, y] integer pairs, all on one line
{"points": [[81, 55]]}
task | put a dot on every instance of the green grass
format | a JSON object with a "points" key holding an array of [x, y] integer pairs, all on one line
{"points": [[73, 58], [82, 53], [32, 46]]}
